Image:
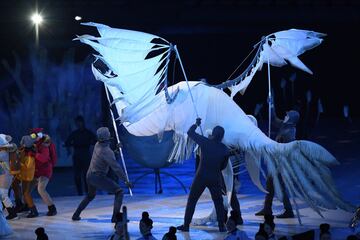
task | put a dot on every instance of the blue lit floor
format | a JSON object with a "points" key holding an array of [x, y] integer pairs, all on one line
{"points": [[165, 210]]}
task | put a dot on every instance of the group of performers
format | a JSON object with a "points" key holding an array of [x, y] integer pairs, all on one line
{"points": [[214, 158], [31, 165], [23, 169]]}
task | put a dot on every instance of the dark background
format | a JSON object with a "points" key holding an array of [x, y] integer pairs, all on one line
{"points": [[213, 37]]}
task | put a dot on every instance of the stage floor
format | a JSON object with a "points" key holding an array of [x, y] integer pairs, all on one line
{"points": [[165, 210]]}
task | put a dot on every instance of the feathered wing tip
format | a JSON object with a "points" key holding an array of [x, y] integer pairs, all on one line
{"points": [[303, 167], [183, 148], [253, 166], [315, 152], [106, 31]]}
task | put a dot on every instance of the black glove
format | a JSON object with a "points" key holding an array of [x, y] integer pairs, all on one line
{"points": [[129, 184], [119, 145], [198, 121]]}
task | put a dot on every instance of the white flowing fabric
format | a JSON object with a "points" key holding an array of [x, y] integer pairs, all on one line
{"points": [[143, 109]]}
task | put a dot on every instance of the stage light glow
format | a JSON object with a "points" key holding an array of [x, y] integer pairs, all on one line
{"points": [[78, 18], [36, 18]]}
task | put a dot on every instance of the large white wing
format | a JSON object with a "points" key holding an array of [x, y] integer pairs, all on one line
{"points": [[138, 63]]}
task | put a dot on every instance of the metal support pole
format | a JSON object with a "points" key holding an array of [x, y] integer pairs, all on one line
{"points": [[117, 137], [269, 97]]}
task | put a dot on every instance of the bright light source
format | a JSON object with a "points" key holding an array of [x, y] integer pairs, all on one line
{"points": [[36, 18], [78, 18]]}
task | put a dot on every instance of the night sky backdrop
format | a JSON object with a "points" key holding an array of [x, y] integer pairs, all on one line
{"points": [[213, 37]]}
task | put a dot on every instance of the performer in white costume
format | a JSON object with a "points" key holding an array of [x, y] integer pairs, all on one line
{"points": [[5, 181], [5, 229], [6, 177]]}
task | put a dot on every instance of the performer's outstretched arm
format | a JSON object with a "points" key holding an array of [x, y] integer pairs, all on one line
{"points": [[198, 139]]}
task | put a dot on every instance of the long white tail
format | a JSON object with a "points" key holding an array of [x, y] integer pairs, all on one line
{"points": [[304, 169]]}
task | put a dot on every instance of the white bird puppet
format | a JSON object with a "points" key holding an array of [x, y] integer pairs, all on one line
{"points": [[136, 76]]}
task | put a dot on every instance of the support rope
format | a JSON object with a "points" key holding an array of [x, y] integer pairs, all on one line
{"points": [[187, 83], [242, 62]]}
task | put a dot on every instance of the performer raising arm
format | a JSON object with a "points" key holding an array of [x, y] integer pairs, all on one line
{"points": [[214, 156], [102, 159]]}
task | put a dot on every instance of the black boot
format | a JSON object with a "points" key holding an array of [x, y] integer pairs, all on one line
{"points": [[82, 206], [33, 212], [183, 228], [52, 210], [286, 214], [12, 214], [239, 220], [76, 215]]}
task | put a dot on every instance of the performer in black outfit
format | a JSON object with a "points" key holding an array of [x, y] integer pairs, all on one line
{"points": [[214, 158], [286, 133], [81, 140], [235, 156]]}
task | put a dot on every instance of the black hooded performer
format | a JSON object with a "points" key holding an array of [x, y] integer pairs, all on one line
{"points": [[285, 134], [214, 158], [102, 159], [81, 140]]}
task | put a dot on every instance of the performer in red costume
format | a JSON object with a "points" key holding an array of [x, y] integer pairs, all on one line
{"points": [[45, 160]]}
